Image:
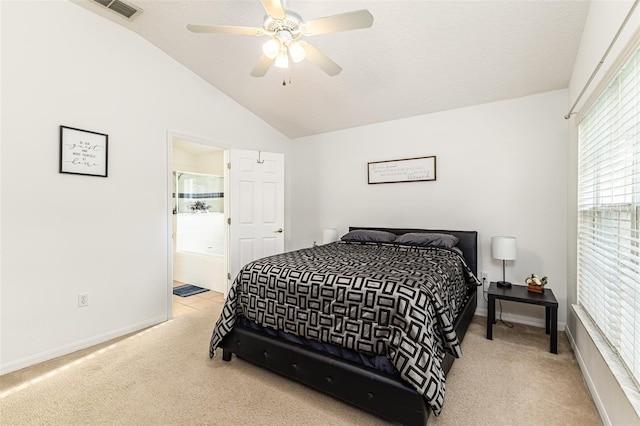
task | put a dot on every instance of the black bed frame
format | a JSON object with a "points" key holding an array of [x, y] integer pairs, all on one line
{"points": [[382, 394]]}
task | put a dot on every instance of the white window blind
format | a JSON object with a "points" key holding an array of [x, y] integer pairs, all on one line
{"points": [[609, 213]]}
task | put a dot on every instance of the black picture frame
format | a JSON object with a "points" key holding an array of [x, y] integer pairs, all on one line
{"points": [[83, 152]]}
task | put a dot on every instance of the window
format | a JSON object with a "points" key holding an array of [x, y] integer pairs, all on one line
{"points": [[609, 213]]}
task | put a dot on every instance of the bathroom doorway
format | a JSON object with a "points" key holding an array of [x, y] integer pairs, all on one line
{"points": [[199, 231]]}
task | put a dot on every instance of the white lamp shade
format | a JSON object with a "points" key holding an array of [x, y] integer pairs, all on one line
{"points": [[329, 235], [296, 52], [271, 48], [503, 248], [282, 60]]}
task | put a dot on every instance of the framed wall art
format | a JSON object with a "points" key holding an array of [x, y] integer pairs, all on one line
{"points": [[83, 152], [406, 170]]}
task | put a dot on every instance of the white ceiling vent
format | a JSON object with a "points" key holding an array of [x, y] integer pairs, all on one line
{"points": [[126, 10]]}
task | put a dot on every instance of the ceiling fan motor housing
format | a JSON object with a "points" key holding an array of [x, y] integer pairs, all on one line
{"points": [[290, 23]]}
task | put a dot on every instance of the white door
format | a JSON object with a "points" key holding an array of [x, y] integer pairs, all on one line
{"points": [[255, 209]]}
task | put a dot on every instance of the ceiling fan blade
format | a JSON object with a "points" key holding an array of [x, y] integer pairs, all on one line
{"points": [[225, 29], [335, 23], [321, 60], [274, 8], [262, 66]]}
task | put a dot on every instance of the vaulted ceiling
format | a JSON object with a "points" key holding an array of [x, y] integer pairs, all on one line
{"points": [[419, 57]]}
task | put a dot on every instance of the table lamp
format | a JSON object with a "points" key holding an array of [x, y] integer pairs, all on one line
{"points": [[329, 235], [503, 248]]}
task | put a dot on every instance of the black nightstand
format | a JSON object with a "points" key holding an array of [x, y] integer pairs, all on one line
{"points": [[520, 293]]}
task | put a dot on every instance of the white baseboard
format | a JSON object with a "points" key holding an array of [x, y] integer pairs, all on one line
{"points": [[76, 346], [482, 311]]}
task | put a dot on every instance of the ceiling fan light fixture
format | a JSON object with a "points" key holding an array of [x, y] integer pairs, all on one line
{"points": [[284, 36], [282, 60], [271, 48], [297, 52]]}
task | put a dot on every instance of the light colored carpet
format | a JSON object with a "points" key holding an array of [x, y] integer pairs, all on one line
{"points": [[163, 376]]}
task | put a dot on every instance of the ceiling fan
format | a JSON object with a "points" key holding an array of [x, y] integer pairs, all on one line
{"points": [[285, 29]]}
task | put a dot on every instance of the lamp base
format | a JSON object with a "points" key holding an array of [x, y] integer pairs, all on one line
{"points": [[504, 284]]}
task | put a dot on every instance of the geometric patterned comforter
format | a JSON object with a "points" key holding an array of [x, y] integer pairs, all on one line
{"points": [[383, 299]]}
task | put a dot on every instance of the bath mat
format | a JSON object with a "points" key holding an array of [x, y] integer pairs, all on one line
{"points": [[188, 290]]}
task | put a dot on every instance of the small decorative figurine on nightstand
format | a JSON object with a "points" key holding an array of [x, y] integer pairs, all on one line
{"points": [[535, 284]]}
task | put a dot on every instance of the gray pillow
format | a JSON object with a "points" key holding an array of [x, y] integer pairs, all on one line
{"points": [[427, 239], [369, 236]]}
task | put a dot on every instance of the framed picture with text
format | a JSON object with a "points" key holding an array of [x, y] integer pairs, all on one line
{"points": [[83, 152], [406, 170]]}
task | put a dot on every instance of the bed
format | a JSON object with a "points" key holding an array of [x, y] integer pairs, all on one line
{"points": [[366, 321]]}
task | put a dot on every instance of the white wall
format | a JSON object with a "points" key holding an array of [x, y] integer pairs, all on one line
{"points": [[602, 23], [64, 234], [501, 170], [207, 161]]}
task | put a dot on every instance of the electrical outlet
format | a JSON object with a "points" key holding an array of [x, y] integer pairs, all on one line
{"points": [[485, 281], [83, 300]]}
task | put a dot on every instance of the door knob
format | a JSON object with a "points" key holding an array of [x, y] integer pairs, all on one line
{"points": [[279, 231]]}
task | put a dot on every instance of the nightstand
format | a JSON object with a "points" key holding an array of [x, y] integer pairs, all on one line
{"points": [[520, 293]]}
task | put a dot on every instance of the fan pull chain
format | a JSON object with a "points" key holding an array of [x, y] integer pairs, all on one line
{"points": [[284, 78]]}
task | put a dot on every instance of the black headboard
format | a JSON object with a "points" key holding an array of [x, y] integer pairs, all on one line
{"points": [[468, 241]]}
